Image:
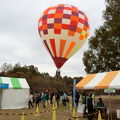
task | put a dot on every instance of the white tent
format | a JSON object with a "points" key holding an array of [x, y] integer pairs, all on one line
{"points": [[100, 81], [15, 95]]}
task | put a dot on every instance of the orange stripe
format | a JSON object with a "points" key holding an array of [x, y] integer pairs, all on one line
{"points": [[69, 49], [52, 42], [85, 81], [62, 45], [107, 80]]}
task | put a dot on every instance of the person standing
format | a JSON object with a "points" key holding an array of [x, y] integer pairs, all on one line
{"points": [[37, 100], [89, 103], [51, 97], [77, 96], [30, 103], [84, 99], [64, 96], [57, 98], [93, 98], [100, 103], [43, 98], [47, 95]]}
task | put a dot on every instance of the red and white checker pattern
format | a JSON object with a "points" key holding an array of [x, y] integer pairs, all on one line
{"points": [[61, 18]]}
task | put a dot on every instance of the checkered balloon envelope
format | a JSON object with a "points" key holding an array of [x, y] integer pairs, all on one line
{"points": [[63, 29]]}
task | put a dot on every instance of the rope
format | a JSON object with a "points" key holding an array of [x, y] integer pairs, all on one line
{"points": [[31, 113]]}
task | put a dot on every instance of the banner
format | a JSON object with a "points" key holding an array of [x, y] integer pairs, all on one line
{"points": [[109, 90]]}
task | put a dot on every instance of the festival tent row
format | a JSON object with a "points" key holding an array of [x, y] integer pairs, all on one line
{"points": [[100, 81], [14, 93]]}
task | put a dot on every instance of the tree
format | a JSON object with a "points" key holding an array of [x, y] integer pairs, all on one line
{"points": [[104, 47], [6, 68], [37, 81]]}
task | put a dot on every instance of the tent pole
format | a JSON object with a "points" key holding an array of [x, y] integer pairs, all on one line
{"points": [[109, 108], [74, 93]]}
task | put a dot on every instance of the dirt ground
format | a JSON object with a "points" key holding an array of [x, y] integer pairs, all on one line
{"points": [[62, 112]]}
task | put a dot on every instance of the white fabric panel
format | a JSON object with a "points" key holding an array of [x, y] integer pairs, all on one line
{"points": [[15, 98], [66, 21], [57, 45], [40, 24], [115, 82], [81, 16], [23, 83], [69, 12], [50, 20], [7, 80], [95, 81], [51, 11], [41, 32], [80, 25], [0, 97], [67, 5]]}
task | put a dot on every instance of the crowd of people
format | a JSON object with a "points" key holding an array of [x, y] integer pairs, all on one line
{"points": [[47, 96], [61, 98]]}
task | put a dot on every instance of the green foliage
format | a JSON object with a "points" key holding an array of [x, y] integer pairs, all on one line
{"points": [[6, 68], [104, 47]]}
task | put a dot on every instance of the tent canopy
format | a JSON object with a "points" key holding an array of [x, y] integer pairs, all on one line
{"points": [[15, 83], [100, 81], [14, 93]]}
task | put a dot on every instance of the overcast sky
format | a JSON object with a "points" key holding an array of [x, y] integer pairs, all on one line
{"points": [[20, 41]]}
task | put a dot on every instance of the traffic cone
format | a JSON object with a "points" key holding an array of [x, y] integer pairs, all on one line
{"points": [[70, 106], [77, 118], [46, 104], [99, 116], [74, 112], [53, 113], [56, 105], [37, 113], [22, 117]]}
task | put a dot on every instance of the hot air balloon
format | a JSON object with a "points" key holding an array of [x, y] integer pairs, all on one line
{"points": [[63, 29]]}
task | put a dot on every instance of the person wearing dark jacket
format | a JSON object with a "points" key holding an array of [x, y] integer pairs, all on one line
{"points": [[77, 96], [100, 103], [57, 98], [89, 103], [84, 99], [51, 97], [37, 100]]}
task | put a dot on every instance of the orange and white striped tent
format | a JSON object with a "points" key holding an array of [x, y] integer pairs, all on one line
{"points": [[100, 81]]}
